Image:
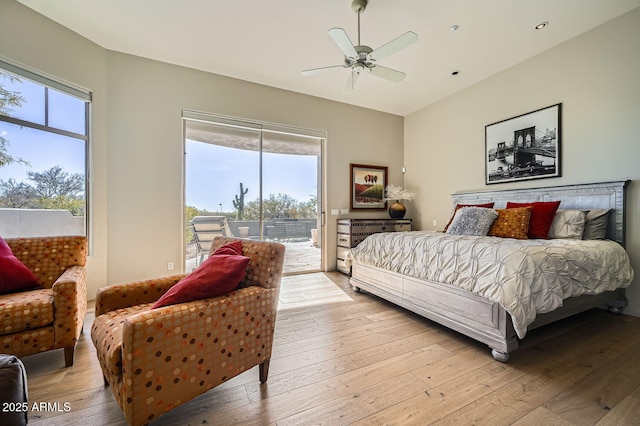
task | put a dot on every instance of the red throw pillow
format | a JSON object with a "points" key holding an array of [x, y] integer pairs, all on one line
{"points": [[14, 276], [459, 206], [219, 274], [541, 217]]}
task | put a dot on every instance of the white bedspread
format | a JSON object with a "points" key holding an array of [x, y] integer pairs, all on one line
{"points": [[525, 276]]}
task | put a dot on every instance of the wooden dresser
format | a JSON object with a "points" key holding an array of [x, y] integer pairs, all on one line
{"points": [[352, 231]]}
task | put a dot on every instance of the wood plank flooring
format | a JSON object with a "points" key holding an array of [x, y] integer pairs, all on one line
{"points": [[342, 357]]}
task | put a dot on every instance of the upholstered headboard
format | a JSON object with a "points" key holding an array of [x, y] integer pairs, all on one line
{"points": [[605, 195]]}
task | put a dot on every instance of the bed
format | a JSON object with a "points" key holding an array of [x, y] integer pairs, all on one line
{"points": [[473, 309]]}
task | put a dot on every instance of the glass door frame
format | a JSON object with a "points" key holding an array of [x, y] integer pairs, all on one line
{"points": [[261, 127]]}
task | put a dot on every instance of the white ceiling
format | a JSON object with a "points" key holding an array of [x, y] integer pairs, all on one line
{"points": [[272, 41]]}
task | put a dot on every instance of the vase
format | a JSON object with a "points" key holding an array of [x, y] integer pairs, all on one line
{"points": [[397, 210]]}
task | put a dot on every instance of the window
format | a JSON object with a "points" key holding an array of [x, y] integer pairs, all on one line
{"points": [[43, 155]]}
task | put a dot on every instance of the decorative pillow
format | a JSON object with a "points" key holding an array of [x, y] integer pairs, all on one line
{"points": [[595, 227], [568, 224], [472, 221], [541, 217], [459, 206], [14, 276], [511, 223], [219, 274]]}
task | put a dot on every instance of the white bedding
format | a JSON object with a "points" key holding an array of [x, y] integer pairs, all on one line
{"points": [[525, 276]]}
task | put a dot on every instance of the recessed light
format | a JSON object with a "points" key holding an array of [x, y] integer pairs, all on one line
{"points": [[454, 27], [541, 25], [456, 72]]}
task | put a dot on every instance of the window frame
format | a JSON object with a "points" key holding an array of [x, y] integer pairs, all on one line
{"points": [[50, 82]]}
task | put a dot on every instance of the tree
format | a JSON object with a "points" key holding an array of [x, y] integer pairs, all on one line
{"points": [[281, 206], [55, 182], [8, 99], [16, 195], [51, 189]]}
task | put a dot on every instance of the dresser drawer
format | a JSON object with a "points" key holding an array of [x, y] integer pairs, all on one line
{"points": [[341, 252], [401, 227], [342, 267], [344, 228], [344, 240]]}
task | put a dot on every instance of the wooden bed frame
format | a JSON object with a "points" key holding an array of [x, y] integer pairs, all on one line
{"points": [[483, 319]]}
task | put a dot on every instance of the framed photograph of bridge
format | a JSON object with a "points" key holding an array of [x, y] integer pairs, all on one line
{"points": [[523, 147], [367, 187]]}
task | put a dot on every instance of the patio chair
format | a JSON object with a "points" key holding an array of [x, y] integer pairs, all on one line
{"points": [[205, 229]]}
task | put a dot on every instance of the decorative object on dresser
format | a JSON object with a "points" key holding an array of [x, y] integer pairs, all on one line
{"points": [[397, 210], [352, 231], [523, 147], [367, 187]]}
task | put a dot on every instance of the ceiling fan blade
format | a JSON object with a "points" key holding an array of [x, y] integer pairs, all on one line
{"points": [[394, 45], [387, 73], [351, 82], [320, 70], [341, 38]]}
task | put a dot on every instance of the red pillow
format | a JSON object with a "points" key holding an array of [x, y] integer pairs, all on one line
{"points": [[14, 276], [541, 217], [459, 206], [219, 274]]}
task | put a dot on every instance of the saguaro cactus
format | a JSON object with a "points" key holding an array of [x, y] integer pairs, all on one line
{"points": [[238, 203]]}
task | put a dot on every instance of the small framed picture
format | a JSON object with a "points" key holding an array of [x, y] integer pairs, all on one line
{"points": [[367, 187], [523, 147]]}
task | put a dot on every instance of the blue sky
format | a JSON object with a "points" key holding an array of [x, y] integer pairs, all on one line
{"points": [[43, 150], [213, 173]]}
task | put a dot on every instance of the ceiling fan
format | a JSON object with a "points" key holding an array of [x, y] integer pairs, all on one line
{"points": [[360, 57]]}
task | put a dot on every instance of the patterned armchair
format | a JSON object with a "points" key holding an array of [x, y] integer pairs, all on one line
{"points": [[157, 359], [40, 320]]}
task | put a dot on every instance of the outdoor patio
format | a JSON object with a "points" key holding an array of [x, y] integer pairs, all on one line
{"points": [[300, 256]]}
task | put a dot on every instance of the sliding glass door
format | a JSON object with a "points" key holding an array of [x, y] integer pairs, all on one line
{"points": [[252, 180]]}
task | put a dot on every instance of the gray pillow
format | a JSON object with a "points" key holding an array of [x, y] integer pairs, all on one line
{"points": [[596, 226], [472, 221]]}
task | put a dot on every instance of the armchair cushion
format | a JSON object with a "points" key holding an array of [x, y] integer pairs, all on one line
{"points": [[26, 310], [14, 276], [219, 274], [107, 333]]}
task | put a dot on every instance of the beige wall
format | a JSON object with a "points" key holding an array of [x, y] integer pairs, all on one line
{"points": [[145, 145], [136, 190], [595, 76]]}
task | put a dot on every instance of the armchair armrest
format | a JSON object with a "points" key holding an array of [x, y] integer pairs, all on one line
{"points": [[70, 303], [134, 293]]}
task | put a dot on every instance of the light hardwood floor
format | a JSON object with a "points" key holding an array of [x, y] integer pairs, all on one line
{"points": [[343, 357]]}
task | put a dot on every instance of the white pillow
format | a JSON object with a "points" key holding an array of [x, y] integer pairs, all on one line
{"points": [[568, 224], [472, 221]]}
